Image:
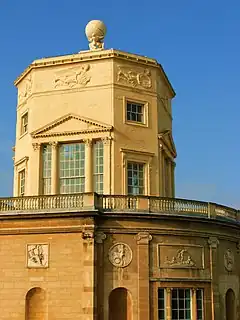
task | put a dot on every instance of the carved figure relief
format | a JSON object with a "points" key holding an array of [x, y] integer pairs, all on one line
{"points": [[135, 78], [229, 260], [120, 255], [26, 91], [74, 78], [182, 258], [37, 255]]}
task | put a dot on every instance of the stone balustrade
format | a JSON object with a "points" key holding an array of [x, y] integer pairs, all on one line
{"points": [[116, 204]]}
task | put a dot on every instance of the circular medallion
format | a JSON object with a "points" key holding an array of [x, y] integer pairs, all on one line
{"points": [[120, 255], [228, 260]]}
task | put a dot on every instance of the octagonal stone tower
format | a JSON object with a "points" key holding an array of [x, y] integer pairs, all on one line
{"points": [[96, 121]]}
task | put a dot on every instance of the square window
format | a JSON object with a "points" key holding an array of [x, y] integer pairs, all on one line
{"points": [[24, 123], [135, 112]]}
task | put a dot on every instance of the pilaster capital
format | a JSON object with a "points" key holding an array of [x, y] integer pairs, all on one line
{"points": [[54, 144], [143, 237], [100, 237], [213, 242], [169, 290], [36, 146], [106, 140]]}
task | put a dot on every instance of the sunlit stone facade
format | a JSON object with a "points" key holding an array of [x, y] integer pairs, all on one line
{"points": [[93, 230]]}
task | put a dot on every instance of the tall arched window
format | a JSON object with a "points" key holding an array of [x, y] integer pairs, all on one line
{"points": [[230, 305], [120, 304], [36, 305]]}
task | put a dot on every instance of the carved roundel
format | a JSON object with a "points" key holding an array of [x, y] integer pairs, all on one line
{"points": [[120, 255], [229, 260]]}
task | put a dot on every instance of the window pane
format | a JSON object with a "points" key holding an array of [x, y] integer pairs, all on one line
{"points": [[98, 166], [46, 168], [161, 304], [199, 294], [72, 168], [135, 178], [181, 306], [135, 111]]}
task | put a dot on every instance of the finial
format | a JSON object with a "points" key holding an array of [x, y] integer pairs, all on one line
{"points": [[95, 31]]}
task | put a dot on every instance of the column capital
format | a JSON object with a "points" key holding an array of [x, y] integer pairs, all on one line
{"points": [[36, 146], [54, 144], [169, 290], [88, 142], [100, 237], [213, 242], [143, 237]]}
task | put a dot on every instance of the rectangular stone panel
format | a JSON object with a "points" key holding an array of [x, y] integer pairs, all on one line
{"points": [[181, 256]]}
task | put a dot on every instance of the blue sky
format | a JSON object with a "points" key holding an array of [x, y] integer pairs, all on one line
{"points": [[197, 43]]}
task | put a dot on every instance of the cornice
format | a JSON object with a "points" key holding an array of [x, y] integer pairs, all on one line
{"points": [[92, 56], [70, 133], [24, 159]]}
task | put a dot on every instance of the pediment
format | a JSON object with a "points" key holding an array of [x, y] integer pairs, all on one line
{"points": [[167, 139], [70, 124]]}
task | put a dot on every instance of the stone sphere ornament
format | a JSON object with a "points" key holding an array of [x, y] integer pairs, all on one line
{"points": [[95, 32]]}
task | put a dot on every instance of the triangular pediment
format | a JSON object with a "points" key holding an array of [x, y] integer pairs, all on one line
{"points": [[167, 139], [70, 124]]}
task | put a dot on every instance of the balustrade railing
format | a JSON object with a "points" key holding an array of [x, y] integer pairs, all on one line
{"points": [[116, 204]]}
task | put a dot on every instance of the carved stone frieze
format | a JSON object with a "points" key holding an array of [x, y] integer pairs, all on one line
{"points": [[37, 255], [177, 256], [72, 78], [182, 259], [229, 260], [134, 78], [143, 237], [120, 255], [25, 92], [100, 237]]}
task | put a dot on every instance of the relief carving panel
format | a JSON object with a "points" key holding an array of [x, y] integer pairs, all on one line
{"points": [[181, 256], [26, 91], [74, 77], [229, 260], [134, 78], [120, 255], [37, 255]]}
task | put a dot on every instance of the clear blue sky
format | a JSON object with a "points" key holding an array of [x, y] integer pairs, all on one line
{"points": [[198, 44]]}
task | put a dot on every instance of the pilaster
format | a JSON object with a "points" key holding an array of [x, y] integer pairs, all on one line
{"points": [[99, 240], [194, 304], [161, 175], [35, 189], [107, 141], [169, 304], [143, 239], [215, 303], [88, 275], [54, 168], [88, 165]]}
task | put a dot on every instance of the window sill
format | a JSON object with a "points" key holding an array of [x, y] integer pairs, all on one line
{"points": [[135, 123], [22, 135]]}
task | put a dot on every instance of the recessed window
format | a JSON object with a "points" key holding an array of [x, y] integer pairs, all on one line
{"points": [[199, 293], [72, 168], [135, 178], [181, 304], [46, 168], [21, 182], [135, 112], [161, 304], [24, 123], [98, 166]]}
